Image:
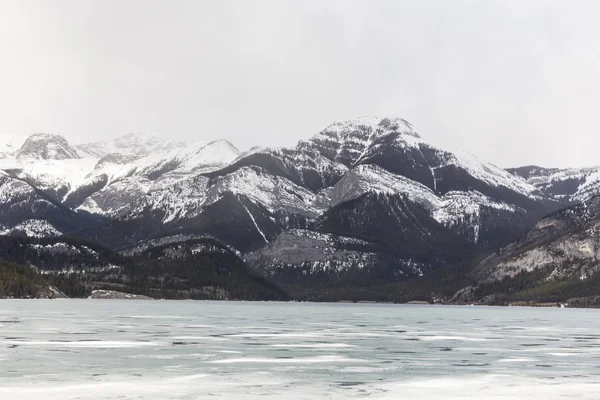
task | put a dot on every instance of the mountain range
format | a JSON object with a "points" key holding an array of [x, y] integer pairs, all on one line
{"points": [[364, 206]]}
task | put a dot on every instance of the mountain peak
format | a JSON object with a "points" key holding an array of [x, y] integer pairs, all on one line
{"points": [[216, 153], [46, 146], [346, 141], [374, 124], [223, 144]]}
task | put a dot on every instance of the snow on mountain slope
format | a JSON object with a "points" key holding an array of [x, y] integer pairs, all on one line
{"points": [[194, 158], [245, 208], [32, 228], [273, 192], [480, 219], [346, 141], [349, 159], [178, 200], [372, 178], [12, 189], [366, 139], [115, 200], [118, 184], [590, 187], [486, 172], [45, 146], [24, 208], [189, 198], [568, 185], [416, 152], [132, 144], [116, 180], [455, 204], [563, 245], [48, 163], [455, 210], [465, 213], [52, 176], [174, 182], [306, 167]]}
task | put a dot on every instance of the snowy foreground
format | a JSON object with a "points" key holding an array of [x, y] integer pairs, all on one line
{"points": [[112, 349]]}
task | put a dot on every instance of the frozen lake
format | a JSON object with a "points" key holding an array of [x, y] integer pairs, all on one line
{"points": [[110, 349]]}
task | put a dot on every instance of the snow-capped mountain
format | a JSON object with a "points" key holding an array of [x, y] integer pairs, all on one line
{"points": [[47, 177], [412, 205], [119, 182], [371, 190], [109, 184], [27, 210], [44, 146], [396, 147], [570, 185], [349, 159]]}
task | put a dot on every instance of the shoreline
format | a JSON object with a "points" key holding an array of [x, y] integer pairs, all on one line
{"points": [[410, 303], [102, 294]]}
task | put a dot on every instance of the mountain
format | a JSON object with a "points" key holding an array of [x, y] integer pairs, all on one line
{"points": [[349, 159], [565, 242], [567, 186], [118, 181], [363, 203], [25, 210], [374, 239], [273, 190], [111, 184], [44, 146]]}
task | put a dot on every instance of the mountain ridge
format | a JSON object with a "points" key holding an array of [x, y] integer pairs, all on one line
{"points": [[370, 189]]}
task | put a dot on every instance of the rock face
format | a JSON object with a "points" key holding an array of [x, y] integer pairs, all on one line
{"points": [[52, 292], [557, 260], [565, 243], [308, 261], [44, 146]]}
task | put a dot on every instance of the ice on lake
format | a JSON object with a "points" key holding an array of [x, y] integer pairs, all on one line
{"points": [[111, 349]]}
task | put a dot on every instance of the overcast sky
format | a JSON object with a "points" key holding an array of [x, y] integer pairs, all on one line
{"points": [[514, 82]]}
